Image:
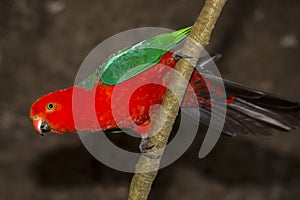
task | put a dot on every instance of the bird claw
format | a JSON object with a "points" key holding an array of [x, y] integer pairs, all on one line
{"points": [[177, 55], [144, 147], [202, 61]]}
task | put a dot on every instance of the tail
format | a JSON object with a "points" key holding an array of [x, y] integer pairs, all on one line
{"points": [[249, 111], [261, 112]]}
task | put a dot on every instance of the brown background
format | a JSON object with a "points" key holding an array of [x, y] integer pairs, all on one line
{"points": [[42, 44]]}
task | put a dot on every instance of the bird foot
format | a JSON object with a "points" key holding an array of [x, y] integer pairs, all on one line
{"points": [[177, 55], [144, 147]]}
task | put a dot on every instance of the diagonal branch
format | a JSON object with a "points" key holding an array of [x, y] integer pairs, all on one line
{"points": [[147, 168]]}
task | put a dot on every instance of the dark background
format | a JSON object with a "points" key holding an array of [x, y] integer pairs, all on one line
{"points": [[42, 44]]}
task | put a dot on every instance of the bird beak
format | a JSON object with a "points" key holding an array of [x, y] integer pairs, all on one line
{"points": [[41, 126]]}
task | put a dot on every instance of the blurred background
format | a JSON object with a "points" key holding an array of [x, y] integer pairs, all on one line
{"points": [[42, 44]]}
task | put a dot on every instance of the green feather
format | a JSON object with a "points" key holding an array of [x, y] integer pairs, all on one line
{"points": [[134, 60]]}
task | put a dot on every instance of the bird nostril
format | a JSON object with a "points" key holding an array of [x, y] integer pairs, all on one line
{"points": [[45, 128]]}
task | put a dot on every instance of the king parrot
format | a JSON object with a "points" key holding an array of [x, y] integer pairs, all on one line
{"points": [[249, 111]]}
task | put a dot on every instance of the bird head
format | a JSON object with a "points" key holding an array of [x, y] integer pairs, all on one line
{"points": [[52, 113]]}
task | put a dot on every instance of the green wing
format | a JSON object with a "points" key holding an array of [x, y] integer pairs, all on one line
{"points": [[134, 60]]}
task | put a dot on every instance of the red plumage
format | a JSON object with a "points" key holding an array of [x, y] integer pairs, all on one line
{"points": [[111, 103], [128, 105]]}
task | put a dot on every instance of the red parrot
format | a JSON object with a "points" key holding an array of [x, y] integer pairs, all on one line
{"points": [[249, 111]]}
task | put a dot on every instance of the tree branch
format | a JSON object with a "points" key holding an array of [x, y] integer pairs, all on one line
{"points": [[147, 168]]}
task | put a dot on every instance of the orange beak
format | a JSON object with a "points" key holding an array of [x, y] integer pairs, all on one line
{"points": [[41, 126], [37, 124]]}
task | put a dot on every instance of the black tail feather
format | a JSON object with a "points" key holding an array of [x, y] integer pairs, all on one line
{"points": [[255, 112], [260, 112]]}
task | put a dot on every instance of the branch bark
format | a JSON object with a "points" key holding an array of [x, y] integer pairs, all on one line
{"points": [[147, 168]]}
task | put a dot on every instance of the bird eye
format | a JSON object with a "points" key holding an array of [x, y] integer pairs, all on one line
{"points": [[50, 106]]}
